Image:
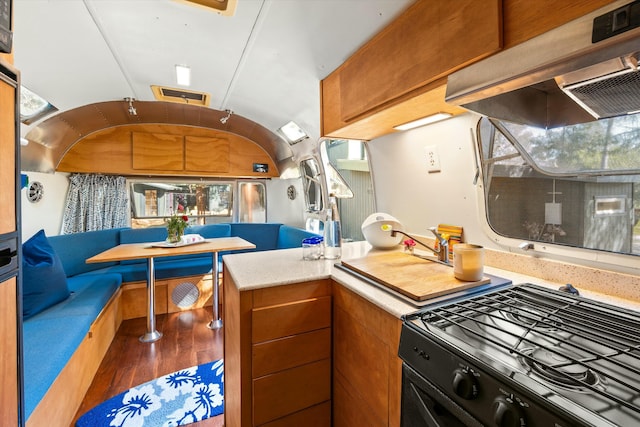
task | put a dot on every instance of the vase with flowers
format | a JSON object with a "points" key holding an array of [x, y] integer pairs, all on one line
{"points": [[175, 227]]}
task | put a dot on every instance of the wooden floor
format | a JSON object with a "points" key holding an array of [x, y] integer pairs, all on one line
{"points": [[186, 342]]}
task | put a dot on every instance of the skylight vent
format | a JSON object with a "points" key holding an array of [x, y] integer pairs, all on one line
{"points": [[223, 7], [180, 95]]}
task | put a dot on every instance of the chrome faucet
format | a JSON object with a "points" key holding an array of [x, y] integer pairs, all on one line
{"points": [[442, 252]]}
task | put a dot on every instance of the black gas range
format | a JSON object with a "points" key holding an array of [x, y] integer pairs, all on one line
{"points": [[521, 356]]}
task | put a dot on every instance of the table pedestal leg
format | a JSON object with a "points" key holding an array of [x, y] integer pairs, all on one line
{"points": [[152, 334], [216, 323]]}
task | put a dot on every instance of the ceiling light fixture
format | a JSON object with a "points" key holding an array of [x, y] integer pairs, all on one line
{"points": [[424, 121], [224, 119], [132, 110], [293, 133], [183, 75]]}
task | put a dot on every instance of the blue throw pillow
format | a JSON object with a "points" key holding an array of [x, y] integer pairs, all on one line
{"points": [[44, 282]]}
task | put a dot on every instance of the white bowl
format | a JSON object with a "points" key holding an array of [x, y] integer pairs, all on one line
{"points": [[372, 229]]}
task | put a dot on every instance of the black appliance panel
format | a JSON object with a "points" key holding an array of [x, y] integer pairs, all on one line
{"points": [[484, 352]]}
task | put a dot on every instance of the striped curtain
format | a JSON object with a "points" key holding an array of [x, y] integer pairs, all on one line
{"points": [[95, 202]]}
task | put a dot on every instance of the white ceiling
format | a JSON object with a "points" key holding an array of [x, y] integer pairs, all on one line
{"points": [[264, 63]]}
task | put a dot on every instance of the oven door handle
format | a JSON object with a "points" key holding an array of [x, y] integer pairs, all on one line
{"points": [[424, 412]]}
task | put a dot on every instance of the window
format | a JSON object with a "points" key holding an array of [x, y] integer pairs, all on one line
{"points": [[311, 177], [33, 107], [349, 178], [577, 186], [203, 202], [252, 203]]}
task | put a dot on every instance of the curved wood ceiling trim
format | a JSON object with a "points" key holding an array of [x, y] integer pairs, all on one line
{"points": [[50, 140]]}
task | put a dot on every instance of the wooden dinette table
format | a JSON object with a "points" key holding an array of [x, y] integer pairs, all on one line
{"points": [[152, 250]]}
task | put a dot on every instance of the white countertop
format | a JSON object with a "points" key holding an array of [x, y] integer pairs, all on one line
{"points": [[263, 269]]}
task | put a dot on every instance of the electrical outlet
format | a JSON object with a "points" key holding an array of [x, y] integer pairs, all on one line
{"points": [[433, 158]]}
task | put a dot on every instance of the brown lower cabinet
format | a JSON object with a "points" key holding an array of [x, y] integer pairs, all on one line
{"points": [[312, 354], [278, 355], [367, 372]]}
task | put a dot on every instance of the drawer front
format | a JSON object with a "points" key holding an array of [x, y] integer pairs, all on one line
{"points": [[267, 297], [283, 320], [286, 392], [316, 416], [285, 353]]}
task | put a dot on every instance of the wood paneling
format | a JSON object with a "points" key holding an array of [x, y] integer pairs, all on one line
{"points": [[367, 370], [134, 299], [205, 292], [524, 19], [316, 416], [155, 151], [287, 293], [111, 151], [7, 156], [290, 318], [400, 74], [363, 359], [207, 154], [291, 351], [8, 354], [289, 391], [278, 354], [349, 409], [427, 42], [237, 355]]}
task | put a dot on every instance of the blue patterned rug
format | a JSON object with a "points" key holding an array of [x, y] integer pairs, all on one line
{"points": [[177, 399]]}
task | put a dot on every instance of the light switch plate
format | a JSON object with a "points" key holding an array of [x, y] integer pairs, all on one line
{"points": [[433, 158]]}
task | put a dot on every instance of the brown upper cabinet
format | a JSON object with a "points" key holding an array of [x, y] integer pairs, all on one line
{"points": [[400, 75], [402, 71], [167, 150]]}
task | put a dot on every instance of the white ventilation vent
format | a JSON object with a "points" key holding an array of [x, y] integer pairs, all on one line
{"points": [[181, 96]]}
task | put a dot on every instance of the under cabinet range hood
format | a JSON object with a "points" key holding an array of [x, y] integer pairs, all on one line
{"points": [[582, 71]]}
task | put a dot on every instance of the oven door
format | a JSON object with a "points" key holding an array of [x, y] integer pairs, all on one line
{"points": [[425, 405]]}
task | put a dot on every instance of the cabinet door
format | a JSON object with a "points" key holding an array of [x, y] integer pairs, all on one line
{"points": [[9, 392], [367, 371], [7, 155]]}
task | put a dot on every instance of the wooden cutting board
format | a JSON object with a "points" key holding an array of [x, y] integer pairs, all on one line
{"points": [[416, 278]]}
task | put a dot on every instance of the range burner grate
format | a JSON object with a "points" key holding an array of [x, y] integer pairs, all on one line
{"points": [[566, 341]]}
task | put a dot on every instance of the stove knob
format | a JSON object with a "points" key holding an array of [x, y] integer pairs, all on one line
{"points": [[507, 414], [464, 384]]}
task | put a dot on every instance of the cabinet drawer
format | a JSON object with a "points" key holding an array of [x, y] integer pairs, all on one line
{"points": [[316, 416], [289, 352], [281, 394], [282, 320]]}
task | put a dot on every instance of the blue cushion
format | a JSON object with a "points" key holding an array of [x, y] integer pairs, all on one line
{"points": [[264, 236], [44, 282], [210, 231], [291, 237], [74, 249], [57, 332], [187, 266]]}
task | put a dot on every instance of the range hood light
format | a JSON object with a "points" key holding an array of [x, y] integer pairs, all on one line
{"points": [[183, 75], [423, 121]]}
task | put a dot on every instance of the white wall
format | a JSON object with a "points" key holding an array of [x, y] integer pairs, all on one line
{"points": [[282, 209], [47, 213], [419, 199]]}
